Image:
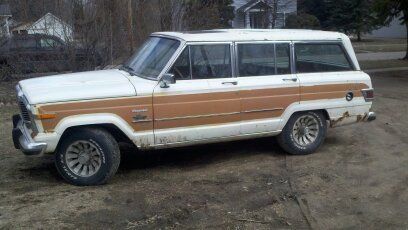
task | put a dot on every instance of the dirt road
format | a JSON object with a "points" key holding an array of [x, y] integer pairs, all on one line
{"points": [[358, 179]]}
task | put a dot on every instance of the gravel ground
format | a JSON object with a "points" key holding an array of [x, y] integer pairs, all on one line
{"points": [[357, 180]]}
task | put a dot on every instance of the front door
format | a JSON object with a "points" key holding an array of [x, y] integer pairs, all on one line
{"points": [[203, 104], [268, 86]]}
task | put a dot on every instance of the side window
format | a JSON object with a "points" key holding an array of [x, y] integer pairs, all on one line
{"points": [[48, 43], [321, 58], [210, 61], [256, 59], [181, 68], [283, 58]]}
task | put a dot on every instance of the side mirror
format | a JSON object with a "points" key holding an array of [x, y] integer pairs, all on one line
{"points": [[167, 79]]}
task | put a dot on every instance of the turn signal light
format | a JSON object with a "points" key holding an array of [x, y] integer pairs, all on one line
{"points": [[46, 116]]}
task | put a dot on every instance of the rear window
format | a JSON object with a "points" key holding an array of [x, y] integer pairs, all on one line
{"points": [[312, 58], [263, 59]]}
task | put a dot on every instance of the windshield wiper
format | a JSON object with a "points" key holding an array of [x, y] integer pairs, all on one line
{"points": [[128, 69]]}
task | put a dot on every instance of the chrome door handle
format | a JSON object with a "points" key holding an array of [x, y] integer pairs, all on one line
{"points": [[230, 83], [290, 79]]}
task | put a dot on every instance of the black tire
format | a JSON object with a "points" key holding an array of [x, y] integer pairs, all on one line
{"points": [[100, 142], [287, 141]]}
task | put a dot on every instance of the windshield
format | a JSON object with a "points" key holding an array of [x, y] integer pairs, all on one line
{"points": [[152, 57]]}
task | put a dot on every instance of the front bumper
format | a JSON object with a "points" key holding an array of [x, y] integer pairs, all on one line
{"points": [[23, 141]]}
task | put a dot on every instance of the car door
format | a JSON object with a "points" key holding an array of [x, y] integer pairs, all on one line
{"points": [[267, 85], [203, 103], [321, 68]]}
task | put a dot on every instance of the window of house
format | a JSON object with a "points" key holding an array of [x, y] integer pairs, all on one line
{"points": [[210, 61], [49, 43], [321, 58], [256, 59]]}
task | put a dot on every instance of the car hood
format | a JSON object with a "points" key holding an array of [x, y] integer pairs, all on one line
{"points": [[77, 86]]}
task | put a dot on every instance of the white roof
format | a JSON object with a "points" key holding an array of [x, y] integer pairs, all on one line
{"points": [[252, 35]]}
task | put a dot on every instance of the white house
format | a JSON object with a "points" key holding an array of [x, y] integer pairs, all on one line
{"points": [[49, 24], [261, 14], [5, 16]]}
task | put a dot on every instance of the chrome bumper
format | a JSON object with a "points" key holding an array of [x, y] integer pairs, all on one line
{"points": [[23, 141], [371, 116]]}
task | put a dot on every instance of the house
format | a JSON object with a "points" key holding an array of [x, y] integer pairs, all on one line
{"points": [[262, 14], [5, 16], [48, 24]]}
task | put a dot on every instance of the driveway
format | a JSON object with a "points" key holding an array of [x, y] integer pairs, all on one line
{"points": [[357, 180]]}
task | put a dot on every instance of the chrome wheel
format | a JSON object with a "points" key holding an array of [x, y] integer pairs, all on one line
{"points": [[305, 130], [83, 158]]}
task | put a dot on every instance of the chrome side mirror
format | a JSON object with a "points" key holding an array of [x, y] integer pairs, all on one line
{"points": [[167, 80]]}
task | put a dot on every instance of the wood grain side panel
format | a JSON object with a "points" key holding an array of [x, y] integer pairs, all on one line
{"points": [[123, 107]]}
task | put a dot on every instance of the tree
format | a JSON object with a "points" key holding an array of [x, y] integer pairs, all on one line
{"points": [[302, 21], [213, 14], [387, 10], [352, 16], [349, 16]]}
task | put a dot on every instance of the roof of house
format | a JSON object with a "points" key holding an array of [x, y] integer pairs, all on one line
{"points": [[5, 10], [252, 35], [251, 4]]}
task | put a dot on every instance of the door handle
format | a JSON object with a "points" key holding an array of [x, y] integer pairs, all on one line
{"points": [[230, 83], [290, 79]]}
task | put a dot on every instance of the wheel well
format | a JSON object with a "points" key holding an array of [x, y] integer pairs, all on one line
{"points": [[323, 111], [117, 133]]}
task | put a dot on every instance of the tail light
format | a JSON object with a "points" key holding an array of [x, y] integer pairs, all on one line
{"points": [[368, 94]]}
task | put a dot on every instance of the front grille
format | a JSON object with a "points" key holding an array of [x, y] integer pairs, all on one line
{"points": [[24, 112]]}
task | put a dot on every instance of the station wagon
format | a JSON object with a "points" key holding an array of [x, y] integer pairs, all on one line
{"points": [[188, 88]]}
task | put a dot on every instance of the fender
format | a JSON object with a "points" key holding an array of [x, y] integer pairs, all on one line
{"points": [[335, 108]]}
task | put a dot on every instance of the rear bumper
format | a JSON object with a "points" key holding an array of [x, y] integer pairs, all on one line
{"points": [[23, 141], [371, 116]]}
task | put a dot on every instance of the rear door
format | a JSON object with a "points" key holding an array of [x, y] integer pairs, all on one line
{"points": [[322, 68], [268, 86], [203, 103]]}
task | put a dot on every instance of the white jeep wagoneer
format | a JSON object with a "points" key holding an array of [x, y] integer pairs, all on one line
{"points": [[186, 88]]}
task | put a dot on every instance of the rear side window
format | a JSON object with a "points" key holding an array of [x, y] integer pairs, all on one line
{"points": [[263, 59], [210, 61], [256, 59], [312, 58]]}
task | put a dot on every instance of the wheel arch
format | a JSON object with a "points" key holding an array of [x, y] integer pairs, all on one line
{"points": [[287, 116], [111, 123]]}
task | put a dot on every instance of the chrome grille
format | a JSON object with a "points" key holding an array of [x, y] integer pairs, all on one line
{"points": [[25, 115]]}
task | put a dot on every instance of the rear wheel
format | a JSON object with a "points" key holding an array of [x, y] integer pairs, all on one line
{"points": [[88, 156], [304, 133]]}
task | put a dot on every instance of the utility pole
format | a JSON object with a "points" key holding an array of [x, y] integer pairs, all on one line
{"points": [[130, 25]]}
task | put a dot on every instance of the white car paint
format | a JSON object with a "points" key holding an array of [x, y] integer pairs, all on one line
{"points": [[116, 83], [77, 86]]}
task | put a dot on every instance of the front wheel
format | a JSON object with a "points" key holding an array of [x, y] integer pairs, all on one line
{"points": [[88, 156], [304, 133]]}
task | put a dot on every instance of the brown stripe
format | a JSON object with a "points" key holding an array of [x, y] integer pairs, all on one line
{"points": [[122, 107], [172, 111]]}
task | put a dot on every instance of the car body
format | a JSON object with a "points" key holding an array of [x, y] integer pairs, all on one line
{"points": [[40, 53], [185, 88]]}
